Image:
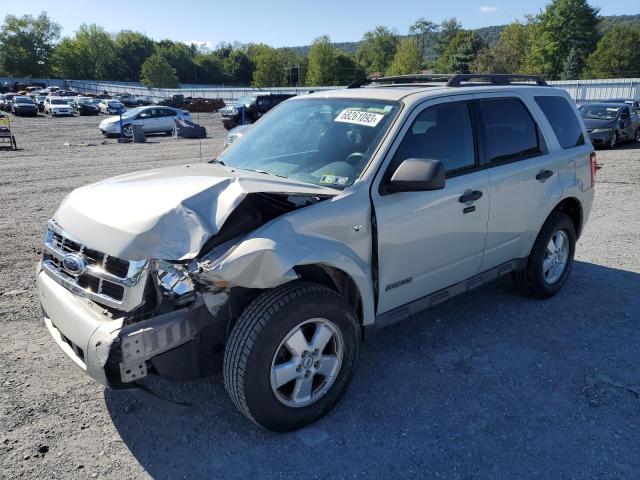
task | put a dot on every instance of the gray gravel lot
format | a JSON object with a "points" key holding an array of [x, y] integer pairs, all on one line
{"points": [[490, 385]]}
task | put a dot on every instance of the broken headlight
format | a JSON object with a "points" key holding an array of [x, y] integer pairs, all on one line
{"points": [[173, 279]]}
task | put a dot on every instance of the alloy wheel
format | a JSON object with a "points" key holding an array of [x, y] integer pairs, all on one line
{"points": [[307, 362], [556, 257], [614, 140]]}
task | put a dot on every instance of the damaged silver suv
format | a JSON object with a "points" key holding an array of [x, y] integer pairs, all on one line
{"points": [[338, 213]]}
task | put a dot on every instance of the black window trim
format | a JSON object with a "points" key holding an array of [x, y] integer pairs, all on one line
{"points": [[477, 165], [542, 144]]}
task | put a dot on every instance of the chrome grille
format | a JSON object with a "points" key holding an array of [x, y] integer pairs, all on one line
{"points": [[107, 280]]}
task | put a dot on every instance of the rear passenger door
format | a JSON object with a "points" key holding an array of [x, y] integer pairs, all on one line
{"points": [[432, 239], [524, 176]]}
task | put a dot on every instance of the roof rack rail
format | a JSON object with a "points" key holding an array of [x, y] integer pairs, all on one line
{"points": [[415, 78], [494, 79], [359, 83]]}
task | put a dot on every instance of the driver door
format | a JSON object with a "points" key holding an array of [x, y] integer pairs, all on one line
{"points": [[430, 240]]}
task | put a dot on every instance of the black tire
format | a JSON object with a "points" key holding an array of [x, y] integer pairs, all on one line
{"points": [[259, 333], [613, 141], [531, 281], [637, 136]]}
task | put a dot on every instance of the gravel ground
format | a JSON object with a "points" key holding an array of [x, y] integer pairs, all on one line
{"points": [[490, 385]]}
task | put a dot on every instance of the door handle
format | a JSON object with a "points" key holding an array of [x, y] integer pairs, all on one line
{"points": [[543, 175], [470, 196]]}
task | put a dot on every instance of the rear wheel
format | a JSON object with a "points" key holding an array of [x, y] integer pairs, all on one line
{"points": [[291, 355], [551, 258]]}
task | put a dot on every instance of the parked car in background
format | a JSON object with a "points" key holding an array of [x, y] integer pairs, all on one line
{"points": [[153, 119], [109, 106], [48, 90], [254, 106], [24, 105], [8, 101], [39, 99], [130, 100], [57, 106], [87, 106], [2, 97], [631, 101], [235, 134], [611, 123]]}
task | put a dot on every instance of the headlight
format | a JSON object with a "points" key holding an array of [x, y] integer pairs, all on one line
{"points": [[173, 279], [601, 130]]}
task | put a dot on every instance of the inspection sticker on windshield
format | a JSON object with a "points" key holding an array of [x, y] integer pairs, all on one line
{"points": [[334, 180], [360, 118]]}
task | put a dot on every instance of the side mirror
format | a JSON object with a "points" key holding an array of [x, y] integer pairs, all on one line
{"points": [[417, 175]]}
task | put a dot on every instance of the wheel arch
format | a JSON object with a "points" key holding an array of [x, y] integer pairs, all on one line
{"points": [[335, 279], [572, 207]]}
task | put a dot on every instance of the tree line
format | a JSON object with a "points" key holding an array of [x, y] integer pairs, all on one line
{"points": [[564, 41]]}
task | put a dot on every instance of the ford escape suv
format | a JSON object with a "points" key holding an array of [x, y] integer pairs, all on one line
{"points": [[337, 214]]}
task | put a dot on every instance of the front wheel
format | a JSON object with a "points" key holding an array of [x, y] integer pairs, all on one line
{"points": [[613, 141], [291, 355], [551, 258], [127, 130], [637, 136]]}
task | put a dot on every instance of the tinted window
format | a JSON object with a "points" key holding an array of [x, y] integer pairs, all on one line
{"points": [[443, 132], [563, 120], [511, 133]]}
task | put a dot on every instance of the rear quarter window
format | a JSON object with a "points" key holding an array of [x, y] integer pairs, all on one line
{"points": [[563, 120]]}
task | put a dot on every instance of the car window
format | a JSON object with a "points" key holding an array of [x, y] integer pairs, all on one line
{"points": [[563, 120], [510, 132], [324, 141], [167, 112], [442, 132]]}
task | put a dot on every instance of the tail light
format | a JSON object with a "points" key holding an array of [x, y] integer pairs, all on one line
{"points": [[593, 165]]}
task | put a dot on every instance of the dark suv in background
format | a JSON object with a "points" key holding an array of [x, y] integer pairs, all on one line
{"points": [[254, 107]]}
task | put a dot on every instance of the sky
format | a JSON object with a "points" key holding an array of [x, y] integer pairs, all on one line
{"points": [[284, 22]]}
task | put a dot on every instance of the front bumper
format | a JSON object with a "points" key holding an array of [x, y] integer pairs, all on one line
{"points": [[600, 138], [110, 128], [66, 111], [176, 344]]}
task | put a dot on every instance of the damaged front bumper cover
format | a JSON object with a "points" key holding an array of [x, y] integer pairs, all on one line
{"points": [[115, 354]]}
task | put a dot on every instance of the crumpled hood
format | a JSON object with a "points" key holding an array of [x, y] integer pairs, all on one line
{"points": [[596, 123], [166, 213]]}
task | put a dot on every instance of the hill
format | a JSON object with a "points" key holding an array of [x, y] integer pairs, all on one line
{"points": [[491, 34]]}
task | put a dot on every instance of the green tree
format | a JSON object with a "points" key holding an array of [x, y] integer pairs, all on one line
{"points": [[617, 54], [424, 32], [132, 49], [236, 64], [89, 54], [157, 72], [348, 70], [272, 65], [210, 68], [460, 54], [449, 28], [26, 44], [508, 55], [564, 25], [408, 57], [182, 58], [377, 49], [572, 66], [323, 62]]}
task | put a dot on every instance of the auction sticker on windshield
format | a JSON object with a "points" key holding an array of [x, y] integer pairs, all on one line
{"points": [[360, 118]]}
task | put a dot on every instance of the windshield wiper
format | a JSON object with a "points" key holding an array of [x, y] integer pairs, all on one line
{"points": [[261, 171], [219, 162]]}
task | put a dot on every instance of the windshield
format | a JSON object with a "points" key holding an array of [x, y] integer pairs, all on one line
{"points": [[599, 112], [22, 100], [59, 101], [248, 100], [322, 141]]}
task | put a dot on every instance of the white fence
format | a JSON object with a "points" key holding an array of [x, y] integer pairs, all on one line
{"points": [[581, 90], [228, 94]]}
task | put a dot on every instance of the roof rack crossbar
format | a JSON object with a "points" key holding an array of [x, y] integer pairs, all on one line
{"points": [[495, 79]]}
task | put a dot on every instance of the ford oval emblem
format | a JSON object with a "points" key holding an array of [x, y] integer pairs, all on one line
{"points": [[74, 264]]}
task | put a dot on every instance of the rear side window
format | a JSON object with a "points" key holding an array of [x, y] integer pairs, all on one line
{"points": [[510, 132], [442, 132], [563, 120]]}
